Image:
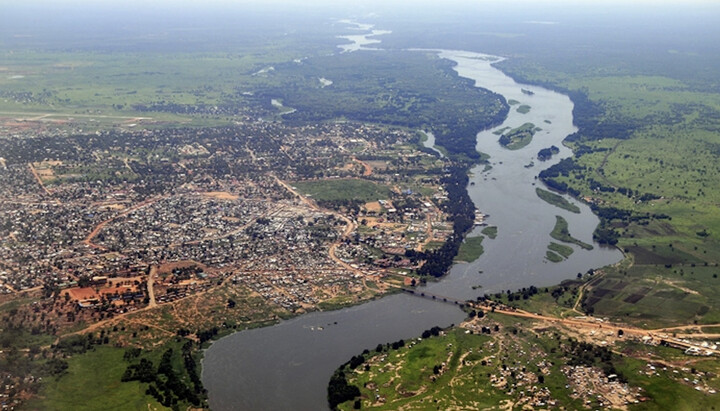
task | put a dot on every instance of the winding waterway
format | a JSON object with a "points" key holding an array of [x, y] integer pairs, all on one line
{"points": [[288, 366]]}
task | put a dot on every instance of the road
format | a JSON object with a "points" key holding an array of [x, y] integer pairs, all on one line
{"points": [[151, 286]]}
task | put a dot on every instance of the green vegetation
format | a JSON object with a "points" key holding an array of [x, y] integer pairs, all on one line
{"points": [[500, 131], [490, 231], [465, 369], [428, 95], [657, 296], [563, 250], [513, 102], [557, 200], [92, 382], [523, 109], [471, 249], [553, 257], [343, 190], [560, 232], [519, 137]]}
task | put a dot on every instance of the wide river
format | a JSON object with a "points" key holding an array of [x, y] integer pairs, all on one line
{"points": [[288, 366]]}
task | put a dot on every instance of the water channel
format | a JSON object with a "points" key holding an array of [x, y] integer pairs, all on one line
{"points": [[288, 366]]}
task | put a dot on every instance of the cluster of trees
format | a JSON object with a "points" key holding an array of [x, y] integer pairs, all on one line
{"points": [[462, 213], [585, 354], [403, 89], [433, 332], [547, 153], [165, 383], [340, 391]]}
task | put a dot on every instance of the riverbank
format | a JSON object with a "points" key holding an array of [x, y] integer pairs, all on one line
{"points": [[282, 366]]}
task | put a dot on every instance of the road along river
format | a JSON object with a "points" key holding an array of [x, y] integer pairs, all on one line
{"points": [[288, 366]]}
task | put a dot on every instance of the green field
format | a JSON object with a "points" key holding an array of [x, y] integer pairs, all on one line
{"points": [[343, 190], [92, 382], [560, 232], [656, 296], [471, 249], [557, 200]]}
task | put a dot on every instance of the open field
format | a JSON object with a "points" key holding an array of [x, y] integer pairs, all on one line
{"points": [[92, 382], [343, 190]]}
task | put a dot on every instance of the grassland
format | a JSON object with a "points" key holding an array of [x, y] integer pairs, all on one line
{"points": [[560, 232], [92, 382], [471, 249], [653, 296], [462, 370], [657, 157], [557, 200], [341, 190]]}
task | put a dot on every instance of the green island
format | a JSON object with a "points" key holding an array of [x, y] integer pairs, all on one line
{"points": [[523, 109], [519, 137], [560, 232], [471, 249], [553, 257], [556, 200], [560, 249], [490, 231]]}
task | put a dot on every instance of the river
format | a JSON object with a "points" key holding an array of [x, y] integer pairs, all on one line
{"points": [[288, 366]]}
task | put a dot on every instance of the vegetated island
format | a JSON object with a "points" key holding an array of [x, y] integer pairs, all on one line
{"points": [[520, 137], [553, 257], [558, 252], [557, 200], [523, 109], [561, 233], [547, 153], [471, 249], [490, 231]]}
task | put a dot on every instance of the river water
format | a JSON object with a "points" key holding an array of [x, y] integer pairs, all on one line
{"points": [[288, 366]]}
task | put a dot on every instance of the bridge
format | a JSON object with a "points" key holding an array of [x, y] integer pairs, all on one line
{"points": [[434, 297]]}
